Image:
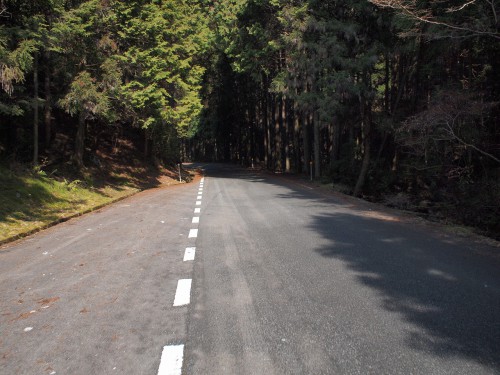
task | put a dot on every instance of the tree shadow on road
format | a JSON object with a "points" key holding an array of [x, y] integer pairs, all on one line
{"points": [[450, 294], [447, 289]]}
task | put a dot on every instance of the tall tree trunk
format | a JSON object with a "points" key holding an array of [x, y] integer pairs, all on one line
{"points": [[387, 80], [147, 147], [277, 133], [366, 126], [317, 151], [35, 110], [266, 125], [237, 148], [334, 152], [270, 122], [286, 138], [183, 151], [307, 142], [288, 133], [256, 135], [267, 135], [422, 46], [48, 105], [80, 140], [252, 128], [296, 137]]}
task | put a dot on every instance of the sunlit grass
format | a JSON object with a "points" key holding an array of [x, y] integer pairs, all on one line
{"points": [[30, 200]]}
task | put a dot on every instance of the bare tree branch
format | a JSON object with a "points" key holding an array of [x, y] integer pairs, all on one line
{"points": [[3, 8], [466, 144], [452, 118], [409, 9], [457, 9], [492, 4]]}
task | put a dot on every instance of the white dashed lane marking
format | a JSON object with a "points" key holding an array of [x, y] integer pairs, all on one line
{"points": [[183, 292], [189, 253], [171, 360], [172, 355]]}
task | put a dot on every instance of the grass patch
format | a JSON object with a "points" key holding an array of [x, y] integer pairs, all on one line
{"points": [[33, 200]]}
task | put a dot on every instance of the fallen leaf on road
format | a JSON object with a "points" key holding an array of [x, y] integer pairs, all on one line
{"points": [[47, 302]]}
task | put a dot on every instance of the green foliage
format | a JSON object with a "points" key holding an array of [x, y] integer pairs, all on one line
{"points": [[14, 64], [270, 80], [139, 63], [85, 97], [357, 82], [159, 47]]}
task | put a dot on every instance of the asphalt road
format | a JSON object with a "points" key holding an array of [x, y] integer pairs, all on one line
{"points": [[95, 295], [286, 280]]}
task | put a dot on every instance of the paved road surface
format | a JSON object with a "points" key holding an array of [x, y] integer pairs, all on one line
{"points": [[95, 295], [286, 280]]}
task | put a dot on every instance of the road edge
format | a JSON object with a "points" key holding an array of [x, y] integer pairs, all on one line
{"points": [[53, 223]]}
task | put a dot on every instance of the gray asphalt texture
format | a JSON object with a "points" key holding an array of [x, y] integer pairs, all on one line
{"points": [[98, 290], [286, 280], [290, 281]]}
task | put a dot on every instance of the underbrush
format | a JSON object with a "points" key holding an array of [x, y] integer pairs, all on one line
{"points": [[471, 200]]}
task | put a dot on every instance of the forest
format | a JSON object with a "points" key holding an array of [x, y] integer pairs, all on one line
{"points": [[394, 101]]}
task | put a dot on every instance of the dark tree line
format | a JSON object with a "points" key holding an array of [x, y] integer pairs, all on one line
{"points": [[74, 66], [393, 100], [396, 101]]}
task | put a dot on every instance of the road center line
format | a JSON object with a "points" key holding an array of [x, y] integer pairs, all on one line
{"points": [[196, 220], [171, 360], [193, 233], [189, 253], [183, 292]]}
